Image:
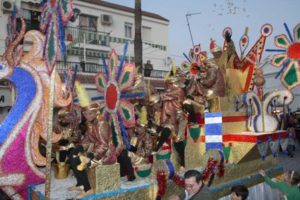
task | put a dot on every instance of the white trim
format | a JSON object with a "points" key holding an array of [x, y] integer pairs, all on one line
{"points": [[213, 138], [213, 120]]}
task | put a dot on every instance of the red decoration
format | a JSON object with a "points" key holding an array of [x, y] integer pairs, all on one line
{"points": [[162, 183], [211, 163], [178, 180], [111, 96], [294, 51]]}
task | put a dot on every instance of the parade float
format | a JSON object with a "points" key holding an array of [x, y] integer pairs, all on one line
{"points": [[217, 117]]}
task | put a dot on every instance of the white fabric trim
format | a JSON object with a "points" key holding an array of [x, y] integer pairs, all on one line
{"points": [[213, 138], [213, 120]]}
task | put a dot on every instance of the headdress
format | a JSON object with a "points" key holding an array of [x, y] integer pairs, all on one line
{"points": [[213, 46], [84, 99]]}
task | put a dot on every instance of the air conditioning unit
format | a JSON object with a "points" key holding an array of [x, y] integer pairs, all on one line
{"points": [[106, 19], [7, 5]]}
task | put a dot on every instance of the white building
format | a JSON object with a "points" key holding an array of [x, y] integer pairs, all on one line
{"points": [[100, 27]]}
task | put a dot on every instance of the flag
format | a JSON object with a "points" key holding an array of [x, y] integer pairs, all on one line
{"points": [[213, 131]]}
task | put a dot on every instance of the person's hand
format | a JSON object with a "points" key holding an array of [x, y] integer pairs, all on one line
{"points": [[262, 172], [174, 197]]}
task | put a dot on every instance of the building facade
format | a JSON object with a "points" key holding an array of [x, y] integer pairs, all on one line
{"points": [[99, 27]]}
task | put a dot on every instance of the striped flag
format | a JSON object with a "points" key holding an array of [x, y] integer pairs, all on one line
{"points": [[213, 130]]}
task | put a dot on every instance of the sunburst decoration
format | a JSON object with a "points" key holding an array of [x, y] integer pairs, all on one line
{"points": [[195, 60], [114, 86], [288, 58], [55, 16]]}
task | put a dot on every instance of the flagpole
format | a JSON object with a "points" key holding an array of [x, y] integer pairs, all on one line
{"points": [[49, 137]]}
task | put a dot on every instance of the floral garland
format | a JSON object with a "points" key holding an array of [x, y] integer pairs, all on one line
{"points": [[178, 180], [162, 183], [210, 171]]}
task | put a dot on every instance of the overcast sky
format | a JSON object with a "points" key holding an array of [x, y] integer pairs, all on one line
{"points": [[209, 18]]}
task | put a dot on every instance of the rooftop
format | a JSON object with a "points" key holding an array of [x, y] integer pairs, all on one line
{"points": [[123, 8]]}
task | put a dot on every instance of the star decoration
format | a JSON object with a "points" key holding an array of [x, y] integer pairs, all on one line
{"points": [[114, 86], [288, 58]]}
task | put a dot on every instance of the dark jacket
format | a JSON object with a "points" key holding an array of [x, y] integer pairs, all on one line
{"points": [[203, 193]]}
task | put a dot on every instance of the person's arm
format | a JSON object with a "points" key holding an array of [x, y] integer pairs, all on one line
{"points": [[282, 186]]}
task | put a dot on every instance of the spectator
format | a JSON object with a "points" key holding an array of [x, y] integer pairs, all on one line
{"points": [[194, 187], [239, 192], [290, 185], [148, 68]]}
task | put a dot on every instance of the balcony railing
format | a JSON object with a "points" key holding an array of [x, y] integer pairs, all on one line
{"points": [[87, 67], [158, 74], [62, 66], [75, 35]]}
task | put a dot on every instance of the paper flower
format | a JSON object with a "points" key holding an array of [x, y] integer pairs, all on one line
{"points": [[288, 58], [114, 86]]}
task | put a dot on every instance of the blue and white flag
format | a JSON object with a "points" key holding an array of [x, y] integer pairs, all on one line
{"points": [[213, 130]]}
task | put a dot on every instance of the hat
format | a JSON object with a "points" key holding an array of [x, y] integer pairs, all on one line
{"points": [[92, 106], [84, 99], [213, 46], [63, 112]]}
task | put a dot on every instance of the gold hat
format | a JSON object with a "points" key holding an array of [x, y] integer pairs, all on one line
{"points": [[63, 112], [92, 106], [84, 99]]}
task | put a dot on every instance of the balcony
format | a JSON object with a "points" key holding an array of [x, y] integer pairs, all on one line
{"points": [[87, 67], [75, 35], [93, 68]]}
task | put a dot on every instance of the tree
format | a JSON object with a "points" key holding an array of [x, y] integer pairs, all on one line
{"points": [[138, 46]]}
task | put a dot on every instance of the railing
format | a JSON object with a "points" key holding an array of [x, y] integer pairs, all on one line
{"points": [[87, 67], [62, 66], [158, 74], [75, 34]]}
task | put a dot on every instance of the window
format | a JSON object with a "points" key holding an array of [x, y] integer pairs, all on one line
{"points": [[146, 33], [32, 20], [128, 30], [88, 22]]}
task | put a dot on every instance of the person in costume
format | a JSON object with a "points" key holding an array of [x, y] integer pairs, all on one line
{"points": [[172, 99], [79, 163], [213, 82], [141, 144], [290, 187], [67, 127], [98, 137], [173, 121], [224, 60]]}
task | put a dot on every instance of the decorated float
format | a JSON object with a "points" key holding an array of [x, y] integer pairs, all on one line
{"points": [[213, 116]]}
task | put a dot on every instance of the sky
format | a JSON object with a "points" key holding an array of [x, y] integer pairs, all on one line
{"points": [[208, 18]]}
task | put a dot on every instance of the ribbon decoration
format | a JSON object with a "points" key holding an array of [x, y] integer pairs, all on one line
{"points": [[263, 149], [213, 131], [227, 150], [195, 132]]}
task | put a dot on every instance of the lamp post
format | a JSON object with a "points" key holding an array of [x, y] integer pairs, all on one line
{"points": [[187, 19]]}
